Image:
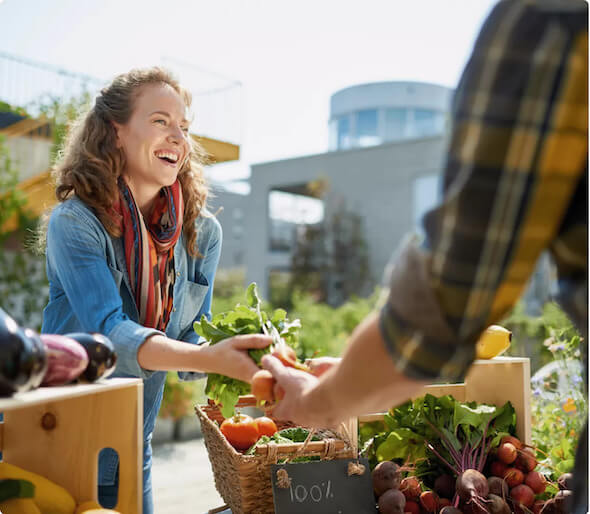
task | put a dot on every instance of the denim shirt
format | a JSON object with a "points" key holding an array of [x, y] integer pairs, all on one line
{"points": [[89, 291]]}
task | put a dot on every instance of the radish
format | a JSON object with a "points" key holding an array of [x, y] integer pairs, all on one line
{"points": [[517, 443], [523, 495], [429, 501], [392, 501], [497, 505], [412, 507], [386, 475], [472, 488], [507, 453], [498, 469], [526, 460], [513, 477], [410, 486], [536, 481]]}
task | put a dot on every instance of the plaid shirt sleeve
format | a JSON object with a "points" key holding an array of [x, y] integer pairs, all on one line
{"points": [[518, 150]]}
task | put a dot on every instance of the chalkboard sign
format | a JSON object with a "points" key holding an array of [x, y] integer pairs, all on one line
{"points": [[323, 487]]}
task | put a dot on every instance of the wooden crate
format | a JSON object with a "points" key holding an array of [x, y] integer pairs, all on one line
{"points": [[58, 432], [494, 381]]}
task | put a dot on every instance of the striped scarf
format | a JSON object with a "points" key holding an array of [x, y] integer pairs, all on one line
{"points": [[149, 251]]}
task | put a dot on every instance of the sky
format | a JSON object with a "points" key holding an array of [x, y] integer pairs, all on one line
{"points": [[282, 59]]}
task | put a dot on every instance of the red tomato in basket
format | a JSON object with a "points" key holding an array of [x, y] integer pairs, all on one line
{"points": [[240, 430], [266, 426]]}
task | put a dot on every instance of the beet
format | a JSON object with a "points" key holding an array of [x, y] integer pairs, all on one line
{"points": [[498, 487], [566, 481], [497, 505], [410, 486], [538, 506], [386, 475], [450, 510], [564, 500], [523, 495], [471, 483], [444, 485], [392, 501]]}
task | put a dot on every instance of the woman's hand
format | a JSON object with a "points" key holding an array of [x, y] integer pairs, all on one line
{"points": [[230, 356]]}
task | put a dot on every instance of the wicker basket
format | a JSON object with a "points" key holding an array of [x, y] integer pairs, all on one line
{"points": [[243, 481]]}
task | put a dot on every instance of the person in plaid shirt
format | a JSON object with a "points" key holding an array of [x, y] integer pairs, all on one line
{"points": [[515, 184]]}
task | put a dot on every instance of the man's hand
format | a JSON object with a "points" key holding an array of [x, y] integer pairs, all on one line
{"points": [[320, 365], [296, 385]]}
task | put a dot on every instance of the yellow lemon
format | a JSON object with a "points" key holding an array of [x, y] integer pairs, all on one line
{"points": [[493, 342]]}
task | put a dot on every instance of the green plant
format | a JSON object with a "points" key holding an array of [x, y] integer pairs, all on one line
{"points": [[180, 397]]}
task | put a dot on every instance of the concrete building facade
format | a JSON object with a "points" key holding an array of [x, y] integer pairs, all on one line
{"points": [[386, 147]]}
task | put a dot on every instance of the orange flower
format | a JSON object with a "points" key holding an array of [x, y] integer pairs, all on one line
{"points": [[569, 406]]}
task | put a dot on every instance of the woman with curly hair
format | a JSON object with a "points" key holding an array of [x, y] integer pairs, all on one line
{"points": [[131, 249]]}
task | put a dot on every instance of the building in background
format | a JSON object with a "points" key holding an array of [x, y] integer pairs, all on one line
{"points": [[384, 160]]}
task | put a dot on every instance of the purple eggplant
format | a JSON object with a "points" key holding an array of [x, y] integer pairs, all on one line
{"points": [[67, 359], [23, 360], [101, 355]]}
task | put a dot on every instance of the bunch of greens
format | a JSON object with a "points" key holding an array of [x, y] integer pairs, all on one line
{"points": [[287, 436], [243, 319], [432, 432]]}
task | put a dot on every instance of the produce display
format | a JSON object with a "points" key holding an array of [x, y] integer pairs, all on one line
{"points": [[29, 360], [249, 319], [23, 359], [439, 455]]}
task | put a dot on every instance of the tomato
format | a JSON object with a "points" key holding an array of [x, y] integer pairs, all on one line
{"points": [[262, 387], [240, 430], [266, 426]]}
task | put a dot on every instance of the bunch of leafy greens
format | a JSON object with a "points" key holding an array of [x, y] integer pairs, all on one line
{"points": [[243, 319], [430, 432], [287, 436]]}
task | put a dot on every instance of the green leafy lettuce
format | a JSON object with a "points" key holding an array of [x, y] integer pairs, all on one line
{"points": [[243, 319]]}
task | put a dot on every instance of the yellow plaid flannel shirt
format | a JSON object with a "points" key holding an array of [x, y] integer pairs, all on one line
{"points": [[515, 184]]}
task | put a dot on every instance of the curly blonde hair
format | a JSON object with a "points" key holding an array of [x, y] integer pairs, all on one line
{"points": [[90, 163]]}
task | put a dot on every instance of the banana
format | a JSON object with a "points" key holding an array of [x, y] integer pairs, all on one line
{"points": [[493, 342]]}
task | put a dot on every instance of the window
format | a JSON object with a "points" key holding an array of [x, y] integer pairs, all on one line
{"points": [[395, 124], [366, 128], [427, 122], [344, 139]]}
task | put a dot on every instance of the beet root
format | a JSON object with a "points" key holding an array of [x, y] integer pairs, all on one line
{"points": [[444, 485], [523, 495], [449, 509], [392, 501], [386, 475], [472, 488], [498, 487], [566, 481], [497, 505]]}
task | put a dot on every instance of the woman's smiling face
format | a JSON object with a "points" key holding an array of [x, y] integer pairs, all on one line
{"points": [[155, 139]]}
